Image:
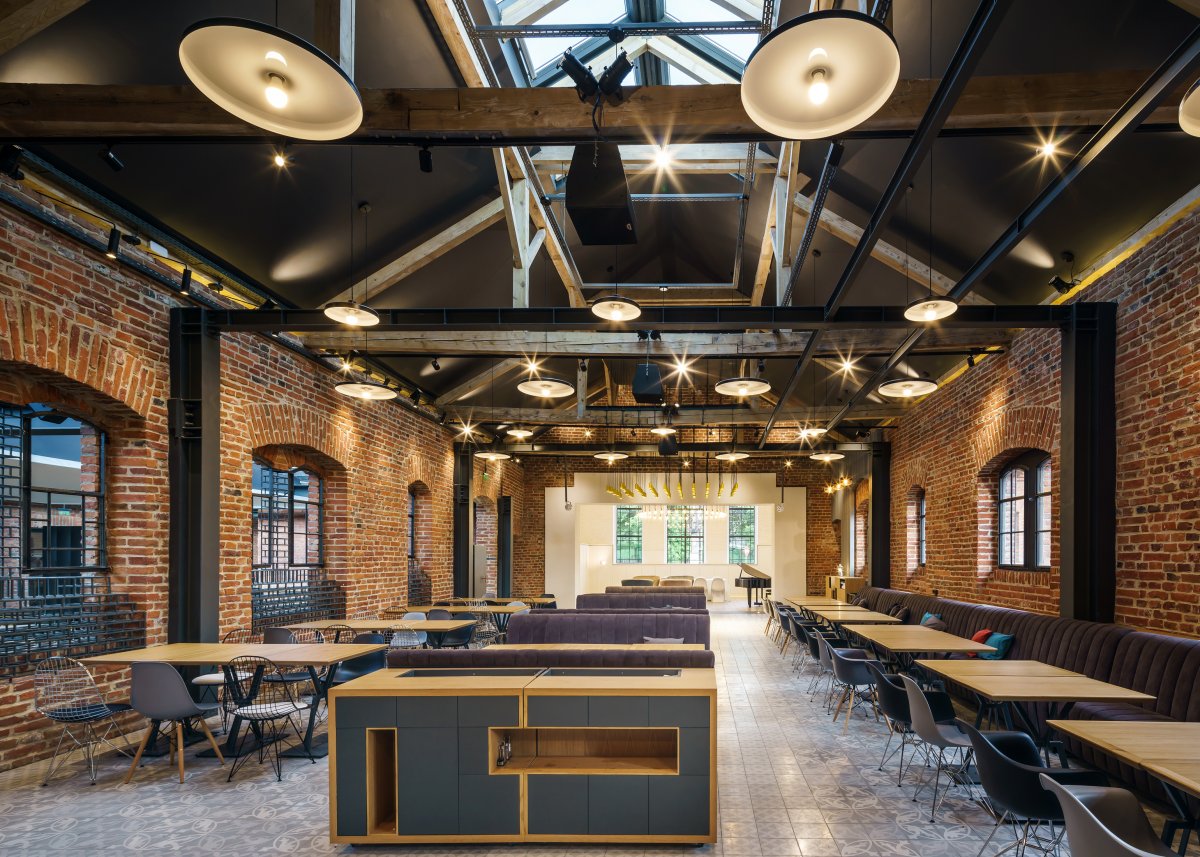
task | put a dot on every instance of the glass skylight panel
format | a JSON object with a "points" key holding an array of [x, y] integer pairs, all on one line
{"points": [[543, 52], [738, 44]]}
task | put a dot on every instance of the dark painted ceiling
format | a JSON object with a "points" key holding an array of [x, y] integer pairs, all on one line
{"points": [[291, 230]]}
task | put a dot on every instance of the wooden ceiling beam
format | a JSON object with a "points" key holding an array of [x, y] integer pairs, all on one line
{"points": [[333, 31], [482, 381], [489, 115], [21, 20]]}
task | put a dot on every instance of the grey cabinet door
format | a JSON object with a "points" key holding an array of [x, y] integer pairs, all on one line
{"points": [[557, 711], [489, 710], [428, 780], [489, 805], [557, 804], [617, 711], [365, 711], [351, 782], [618, 805], [679, 806], [694, 752]]}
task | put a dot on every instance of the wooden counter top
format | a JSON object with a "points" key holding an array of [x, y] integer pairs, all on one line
{"points": [[388, 682], [689, 682]]}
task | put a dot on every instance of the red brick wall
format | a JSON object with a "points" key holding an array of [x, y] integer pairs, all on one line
{"points": [[529, 548], [91, 338], [954, 442]]}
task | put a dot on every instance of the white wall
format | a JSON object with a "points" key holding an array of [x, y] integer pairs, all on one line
{"points": [[579, 542]]}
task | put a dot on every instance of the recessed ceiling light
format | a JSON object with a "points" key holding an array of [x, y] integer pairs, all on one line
{"points": [[547, 387], [1048, 149], [354, 314], [906, 388], [616, 308], [369, 390], [271, 79], [930, 309], [845, 62], [741, 387], [827, 456]]}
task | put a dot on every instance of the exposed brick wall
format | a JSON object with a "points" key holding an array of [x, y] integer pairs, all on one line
{"points": [[90, 337], [529, 548], [954, 443]]}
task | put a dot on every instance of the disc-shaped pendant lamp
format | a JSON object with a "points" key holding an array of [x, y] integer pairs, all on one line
{"points": [[906, 388], [616, 308], [827, 456], [742, 386], [546, 387], [351, 313], [820, 74], [371, 390], [926, 310], [271, 79], [492, 455], [1189, 111]]}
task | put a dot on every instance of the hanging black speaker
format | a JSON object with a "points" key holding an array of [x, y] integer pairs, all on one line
{"points": [[598, 198], [668, 446], [647, 384]]}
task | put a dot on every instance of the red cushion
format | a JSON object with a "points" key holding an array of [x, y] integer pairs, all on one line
{"points": [[979, 637]]}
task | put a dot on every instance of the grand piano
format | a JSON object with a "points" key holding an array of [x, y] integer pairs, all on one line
{"points": [[752, 580]]}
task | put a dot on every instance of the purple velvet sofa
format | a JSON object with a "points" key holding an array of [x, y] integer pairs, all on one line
{"points": [[554, 626], [628, 600], [653, 590], [493, 657]]}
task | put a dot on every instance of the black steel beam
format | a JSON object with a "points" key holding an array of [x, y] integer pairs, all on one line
{"points": [[881, 515], [772, 450], [464, 470], [833, 158], [1088, 464], [1181, 65], [194, 473], [504, 544], [629, 28], [673, 318]]}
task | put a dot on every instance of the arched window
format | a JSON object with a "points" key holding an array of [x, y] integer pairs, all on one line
{"points": [[287, 518], [921, 529], [412, 522], [51, 492], [1023, 512]]}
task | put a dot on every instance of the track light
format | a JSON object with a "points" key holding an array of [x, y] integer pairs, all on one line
{"points": [[1060, 285], [280, 157], [109, 157], [114, 243], [581, 75], [10, 162], [610, 80], [185, 282], [425, 159], [436, 366]]}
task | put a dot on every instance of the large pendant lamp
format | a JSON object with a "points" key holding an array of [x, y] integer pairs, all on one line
{"points": [[827, 456], [906, 388], [1189, 111], [930, 309], [492, 455], [614, 307], [351, 313], [271, 79], [366, 389], [546, 386], [519, 433], [820, 74]]}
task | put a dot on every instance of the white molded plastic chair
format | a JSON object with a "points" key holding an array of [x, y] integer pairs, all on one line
{"points": [[717, 590]]}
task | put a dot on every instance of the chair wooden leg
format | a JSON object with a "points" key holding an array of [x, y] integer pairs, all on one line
{"points": [[211, 740], [170, 748], [179, 741], [137, 757]]}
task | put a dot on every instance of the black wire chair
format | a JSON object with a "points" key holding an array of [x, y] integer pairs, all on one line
{"points": [[65, 692], [257, 692]]}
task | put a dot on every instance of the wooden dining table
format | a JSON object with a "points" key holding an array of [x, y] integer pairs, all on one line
{"points": [[1167, 750], [369, 626], [319, 659], [854, 616], [625, 647], [906, 641], [501, 612]]}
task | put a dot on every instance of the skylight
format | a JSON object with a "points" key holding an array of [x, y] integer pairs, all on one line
{"points": [[545, 52]]}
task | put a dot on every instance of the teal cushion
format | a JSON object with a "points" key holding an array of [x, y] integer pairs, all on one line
{"points": [[1001, 643], [930, 616]]}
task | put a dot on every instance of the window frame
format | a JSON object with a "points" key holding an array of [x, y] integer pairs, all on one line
{"points": [[618, 536], [922, 540], [290, 508], [1030, 465], [752, 556], [412, 523], [690, 541]]}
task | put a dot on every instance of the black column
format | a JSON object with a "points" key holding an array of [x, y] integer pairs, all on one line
{"points": [[504, 547], [1088, 452], [464, 465], [880, 571], [193, 462]]}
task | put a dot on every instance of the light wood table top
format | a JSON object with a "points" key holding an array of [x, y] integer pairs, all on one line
{"points": [[1049, 688], [954, 669], [1184, 774], [1137, 741], [689, 682], [364, 626], [814, 601], [854, 617], [464, 608], [392, 682], [633, 647], [202, 654], [918, 638]]}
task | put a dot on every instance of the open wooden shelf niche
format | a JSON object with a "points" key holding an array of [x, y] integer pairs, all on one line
{"points": [[381, 781], [586, 750]]}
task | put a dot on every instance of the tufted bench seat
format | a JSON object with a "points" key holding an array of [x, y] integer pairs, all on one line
{"points": [[676, 598], [492, 657], [554, 626]]}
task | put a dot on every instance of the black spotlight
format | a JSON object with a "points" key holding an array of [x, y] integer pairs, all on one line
{"points": [[585, 81], [436, 366], [425, 158], [114, 243], [185, 282], [610, 80], [10, 163], [109, 157], [1060, 285]]}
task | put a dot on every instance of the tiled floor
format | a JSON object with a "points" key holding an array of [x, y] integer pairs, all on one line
{"points": [[791, 783]]}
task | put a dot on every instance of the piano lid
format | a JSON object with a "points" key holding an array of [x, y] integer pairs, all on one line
{"points": [[751, 571]]}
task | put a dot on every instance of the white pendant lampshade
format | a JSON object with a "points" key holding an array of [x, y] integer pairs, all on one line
{"points": [[731, 456], [810, 432], [820, 74], [827, 456], [930, 309], [610, 457], [492, 455], [744, 386], [547, 387], [1189, 111], [271, 79], [906, 388], [663, 430], [370, 390], [518, 433], [354, 314], [616, 308]]}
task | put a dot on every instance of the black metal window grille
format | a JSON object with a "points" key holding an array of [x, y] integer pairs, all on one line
{"points": [[742, 534], [628, 534], [685, 535], [1024, 513]]}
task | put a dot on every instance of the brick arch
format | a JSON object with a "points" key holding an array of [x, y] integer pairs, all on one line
{"points": [[283, 425], [912, 474], [1011, 430], [71, 353], [422, 471]]}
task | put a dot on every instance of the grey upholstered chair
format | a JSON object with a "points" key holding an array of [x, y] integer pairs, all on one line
{"points": [[161, 696]]}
